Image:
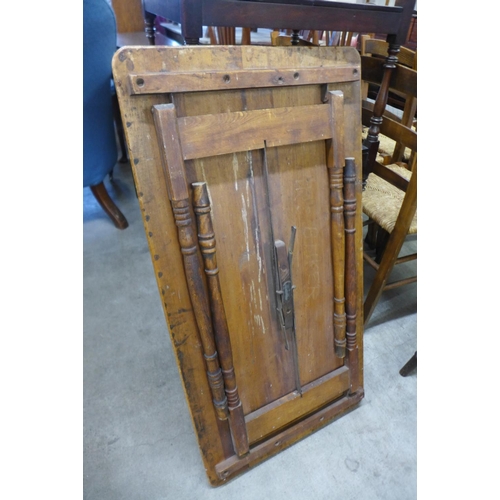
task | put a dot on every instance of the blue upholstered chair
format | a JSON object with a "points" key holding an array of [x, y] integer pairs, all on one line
{"points": [[99, 139]]}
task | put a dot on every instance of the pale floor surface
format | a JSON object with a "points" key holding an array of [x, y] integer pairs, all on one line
{"points": [[138, 439]]}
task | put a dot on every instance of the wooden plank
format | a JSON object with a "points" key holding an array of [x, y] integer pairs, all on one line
{"points": [[271, 418], [298, 178], [336, 161], [170, 147], [165, 82], [210, 135], [232, 466], [235, 181], [129, 15], [299, 188]]}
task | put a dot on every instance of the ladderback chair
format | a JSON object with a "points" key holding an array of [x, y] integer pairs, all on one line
{"points": [[406, 103], [390, 203], [99, 139], [389, 77]]}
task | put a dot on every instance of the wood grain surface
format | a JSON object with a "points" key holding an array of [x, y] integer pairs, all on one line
{"points": [[256, 195]]}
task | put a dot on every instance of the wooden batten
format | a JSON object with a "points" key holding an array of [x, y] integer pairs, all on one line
{"points": [[277, 443], [218, 134], [335, 161], [166, 82], [271, 418]]}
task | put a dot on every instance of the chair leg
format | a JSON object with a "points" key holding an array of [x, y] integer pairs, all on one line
{"points": [[382, 275], [119, 129], [410, 366], [371, 234], [108, 205]]}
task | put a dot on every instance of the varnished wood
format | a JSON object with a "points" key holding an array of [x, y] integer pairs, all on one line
{"points": [[226, 35], [183, 81], [299, 195], [307, 14], [389, 76], [303, 428], [219, 134], [404, 97], [404, 82], [398, 235], [108, 205], [350, 272], [246, 36], [149, 23], [174, 171], [128, 15], [402, 86], [376, 47], [336, 160], [206, 238], [372, 141], [267, 420], [294, 14]]}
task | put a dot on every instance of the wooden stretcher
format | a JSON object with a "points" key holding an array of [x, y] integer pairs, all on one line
{"points": [[247, 164]]}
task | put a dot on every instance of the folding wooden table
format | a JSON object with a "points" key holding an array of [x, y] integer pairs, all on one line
{"points": [[247, 164]]}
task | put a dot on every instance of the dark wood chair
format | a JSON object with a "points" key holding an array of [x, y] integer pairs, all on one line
{"points": [[390, 203], [404, 105], [382, 74], [390, 192]]}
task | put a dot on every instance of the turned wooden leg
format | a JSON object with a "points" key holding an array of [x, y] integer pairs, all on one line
{"points": [[108, 205], [409, 366], [149, 21]]}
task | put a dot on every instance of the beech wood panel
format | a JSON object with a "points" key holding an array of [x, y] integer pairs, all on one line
{"points": [[210, 135], [259, 356], [299, 195], [299, 177], [129, 15], [287, 437], [152, 83], [272, 417]]}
